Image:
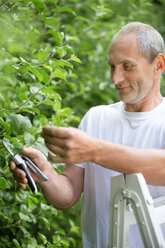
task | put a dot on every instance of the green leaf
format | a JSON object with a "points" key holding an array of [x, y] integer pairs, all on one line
{"points": [[53, 1], [17, 146], [31, 110], [68, 48], [57, 105], [35, 72], [19, 124], [3, 183], [72, 38], [61, 63], [52, 22], [5, 125], [56, 239], [29, 139], [2, 101], [58, 37], [74, 58], [65, 112], [43, 237], [45, 221], [22, 96], [65, 243], [61, 232], [2, 160], [6, 82], [25, 231], [40, 6], [40, 145], [51, 94], [42, 55], [73, 241], [58, 73], [40, 120], [24, 217], [10, 220], [16, 243], [49, 68], [34, 89], [61, 51], [48, 102], [66, 9], [82, 18], [71, 29], [23, 60]]}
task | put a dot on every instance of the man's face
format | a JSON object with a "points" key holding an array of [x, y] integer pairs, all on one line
{"points": [[131, 72]]}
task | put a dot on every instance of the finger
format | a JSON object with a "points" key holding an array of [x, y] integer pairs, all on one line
{"points": [[12, 165], [60, 142], [18, 172], [22, 186], [21, 180], [61, 132], [55, 149], [31, 152], [56, 159], [20, 176]]}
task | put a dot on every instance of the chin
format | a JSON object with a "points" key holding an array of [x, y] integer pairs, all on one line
{"points": [[127, 99], [130, 97]]}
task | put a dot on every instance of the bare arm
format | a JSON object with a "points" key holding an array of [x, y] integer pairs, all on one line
{"points": [[63, 190], [75, 146], [149, 162]]}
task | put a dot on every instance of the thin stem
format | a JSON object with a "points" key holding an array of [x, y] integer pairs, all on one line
{"points": [[20, 107], [8, 206], [16, 224]]}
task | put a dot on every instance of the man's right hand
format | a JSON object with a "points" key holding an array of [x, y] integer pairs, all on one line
{"points": [[62, 190], [39, 159]]}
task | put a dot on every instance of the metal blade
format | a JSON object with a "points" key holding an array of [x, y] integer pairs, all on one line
{"points": [[5, 143]]}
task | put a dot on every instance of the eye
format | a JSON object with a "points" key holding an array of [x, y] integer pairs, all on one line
{"points": [[128, 67]]}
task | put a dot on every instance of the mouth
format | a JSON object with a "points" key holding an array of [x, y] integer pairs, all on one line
{"points": [[123, 88]]}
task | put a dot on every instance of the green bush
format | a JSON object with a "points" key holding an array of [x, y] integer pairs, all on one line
{"points": [[35, 60], [53, 68]]}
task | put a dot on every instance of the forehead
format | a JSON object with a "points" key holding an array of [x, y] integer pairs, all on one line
{"points": [[125, 47]]}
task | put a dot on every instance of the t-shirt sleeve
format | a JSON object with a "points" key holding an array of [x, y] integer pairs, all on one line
{"points": [[83, 127]]}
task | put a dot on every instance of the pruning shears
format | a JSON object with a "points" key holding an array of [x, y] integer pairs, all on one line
{"points": [[23, 162]]}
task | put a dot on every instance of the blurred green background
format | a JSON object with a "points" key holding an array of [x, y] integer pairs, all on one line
{"points": [[53, 68]]}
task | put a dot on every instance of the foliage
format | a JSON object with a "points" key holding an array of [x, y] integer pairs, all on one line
{"points": [[53, 68], [35, 60]]}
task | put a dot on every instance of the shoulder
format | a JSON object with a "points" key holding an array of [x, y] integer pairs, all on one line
{"points": [[99, 114], [101, 109]]}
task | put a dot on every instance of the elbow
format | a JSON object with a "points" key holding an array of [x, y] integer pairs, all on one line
{"points": [[156, 178], [65, 202], [62, 207]]}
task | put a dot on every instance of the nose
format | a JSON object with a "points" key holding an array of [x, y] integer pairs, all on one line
{"points": [[117, 76]]}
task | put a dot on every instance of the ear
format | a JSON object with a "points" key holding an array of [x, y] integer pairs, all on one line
{"points": [[159, 63]]}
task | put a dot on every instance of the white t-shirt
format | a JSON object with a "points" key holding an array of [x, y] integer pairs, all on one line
{"points": [[113, 124]]}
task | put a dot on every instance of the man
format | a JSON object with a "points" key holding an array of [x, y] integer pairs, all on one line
{"points": [[126, 137]]}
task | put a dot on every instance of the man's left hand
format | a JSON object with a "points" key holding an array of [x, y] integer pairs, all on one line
{"points": [[70, 144]]}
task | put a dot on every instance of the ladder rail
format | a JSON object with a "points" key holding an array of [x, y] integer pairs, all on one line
{"points": [[132, 203]]}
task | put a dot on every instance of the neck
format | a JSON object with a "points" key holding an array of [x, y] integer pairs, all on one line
{"points": [[144, 105]]}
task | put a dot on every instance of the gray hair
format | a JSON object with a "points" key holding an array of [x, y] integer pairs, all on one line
{"points": [[149, 39]]}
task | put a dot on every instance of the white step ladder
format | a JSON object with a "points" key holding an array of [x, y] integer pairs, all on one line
{"points": [[132, 203]]}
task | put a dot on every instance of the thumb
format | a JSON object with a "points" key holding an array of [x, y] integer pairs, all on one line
{"points": [[55, 159]]}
